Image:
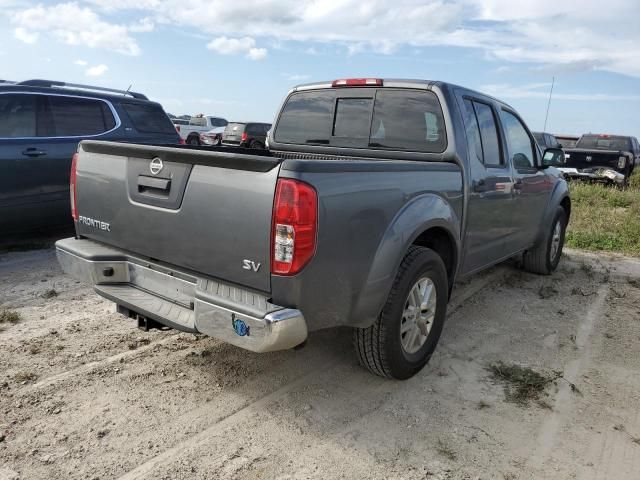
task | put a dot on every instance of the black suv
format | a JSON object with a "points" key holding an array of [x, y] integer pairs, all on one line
{"points": [[248, 135], [41, 123]]}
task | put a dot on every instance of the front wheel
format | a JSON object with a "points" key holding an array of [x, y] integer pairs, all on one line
{"points": [[404, 336], [544, 257]]}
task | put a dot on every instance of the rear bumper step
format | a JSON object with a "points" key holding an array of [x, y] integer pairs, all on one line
{"points": [[181, 300]]}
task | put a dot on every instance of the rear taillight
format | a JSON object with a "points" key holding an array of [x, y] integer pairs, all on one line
{"points": [[294, 226], [72, 186], [177, 128], [357, 82], [244, 136]]}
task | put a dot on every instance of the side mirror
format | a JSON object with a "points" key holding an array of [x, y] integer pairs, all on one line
{"points": [[553, 157]]}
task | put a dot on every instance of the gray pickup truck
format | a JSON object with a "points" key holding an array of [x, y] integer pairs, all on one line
{"points": [[375, 197]]}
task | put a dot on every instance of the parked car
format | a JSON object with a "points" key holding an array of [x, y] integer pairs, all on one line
{"points": [[376, 196], [567, 141], [609, 158], [200, 124], [247, 135], [179, 123], [212, 137], [41, 123], [546, 140]]}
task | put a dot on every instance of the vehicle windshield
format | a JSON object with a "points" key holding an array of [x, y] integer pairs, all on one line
{"points": [[602, 142], [408, 120]]}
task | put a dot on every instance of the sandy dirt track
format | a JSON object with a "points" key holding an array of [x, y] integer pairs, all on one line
{"points": [[85, 395]]}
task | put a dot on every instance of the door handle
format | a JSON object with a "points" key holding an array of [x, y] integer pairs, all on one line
{"points": [[33, 152], [480, 186]]}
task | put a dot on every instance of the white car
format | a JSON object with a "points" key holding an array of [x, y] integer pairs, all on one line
{"points": [[212, 137], [198, 125]]}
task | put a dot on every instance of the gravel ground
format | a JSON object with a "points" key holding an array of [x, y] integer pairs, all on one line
{"points": [[85, 395]]}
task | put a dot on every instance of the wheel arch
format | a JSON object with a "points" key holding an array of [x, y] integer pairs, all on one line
{"points": [[429, 221]]}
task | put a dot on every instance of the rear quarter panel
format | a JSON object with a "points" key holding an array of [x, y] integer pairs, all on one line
{"points": [[368, 215]]}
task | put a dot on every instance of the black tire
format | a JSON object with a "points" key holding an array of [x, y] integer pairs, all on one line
{"points": [[379, 347], [539, 258], [193, 140]]}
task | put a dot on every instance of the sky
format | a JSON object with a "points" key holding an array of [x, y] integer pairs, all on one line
{"points": [[238, 59]]}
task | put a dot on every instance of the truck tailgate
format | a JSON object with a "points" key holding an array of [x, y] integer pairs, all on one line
{"points": [[207, 211]]}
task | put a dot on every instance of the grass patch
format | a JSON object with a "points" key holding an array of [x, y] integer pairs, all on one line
{"points": [[51, 293], [605, 218], [522, 384], [446, 450], [25, 377], [9, 316]]}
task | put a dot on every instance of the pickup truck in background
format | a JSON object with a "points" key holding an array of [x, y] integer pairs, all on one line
{"points": [[376, 196], [607, 158], [566, 141], [200, 124]]}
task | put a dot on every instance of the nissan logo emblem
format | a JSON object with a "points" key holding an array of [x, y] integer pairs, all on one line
{"points": [[155, 166]]}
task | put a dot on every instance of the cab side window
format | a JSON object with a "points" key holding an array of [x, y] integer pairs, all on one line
{"points": [[519, 142], [482, 133]]}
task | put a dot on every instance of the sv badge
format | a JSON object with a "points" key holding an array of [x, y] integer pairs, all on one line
{"points": [[251, 265]]}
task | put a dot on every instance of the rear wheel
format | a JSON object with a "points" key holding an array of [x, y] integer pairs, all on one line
{"points": [[403, 338], [193, 140], [544, 257]]}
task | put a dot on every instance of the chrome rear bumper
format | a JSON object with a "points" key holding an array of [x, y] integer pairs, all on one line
{"points": [[182, 300]]}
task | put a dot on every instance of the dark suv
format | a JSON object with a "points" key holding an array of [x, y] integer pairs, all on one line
{"points": [[41, 123], [249, 135], [546, 140]]}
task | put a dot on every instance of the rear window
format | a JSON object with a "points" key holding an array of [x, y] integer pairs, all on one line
{"points": [[198, 121], [234, 128], [394, 119], [80, 116], [598, 142], [149, 118]]}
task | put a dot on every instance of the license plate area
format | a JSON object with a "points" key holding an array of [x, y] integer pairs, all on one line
{"points": [[163, 285]]}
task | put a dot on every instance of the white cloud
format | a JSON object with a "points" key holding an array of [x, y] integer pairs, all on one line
{"points": [[571, 35], [143, 25], [24, 36], [541, 90], [82, 63], [96, 71], [74, 25], [257, 53], [235, 46]]}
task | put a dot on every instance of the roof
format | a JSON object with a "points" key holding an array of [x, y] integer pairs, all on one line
{"points": [[51, 86]]}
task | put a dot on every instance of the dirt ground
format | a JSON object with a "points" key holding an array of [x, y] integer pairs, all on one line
{"points": [[85, 395]]}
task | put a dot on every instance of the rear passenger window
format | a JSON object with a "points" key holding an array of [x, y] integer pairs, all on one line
{"points": [[482, 135], [80, 116], [149, 118], [17, 115], [473, 132], [488, 134]]}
